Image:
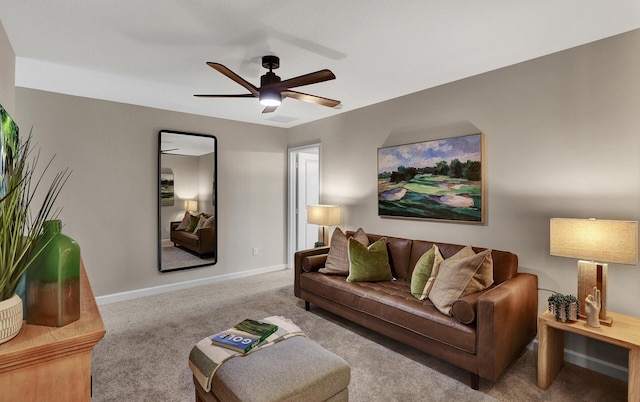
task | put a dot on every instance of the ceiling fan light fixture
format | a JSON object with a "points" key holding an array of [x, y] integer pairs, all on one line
{"points": [[270, 98]]}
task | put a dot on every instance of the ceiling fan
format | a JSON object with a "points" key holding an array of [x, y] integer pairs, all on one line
{"points": [[273, 90]]}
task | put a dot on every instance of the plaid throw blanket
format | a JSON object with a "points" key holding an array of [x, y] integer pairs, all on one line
{"points": [[205, 358]]}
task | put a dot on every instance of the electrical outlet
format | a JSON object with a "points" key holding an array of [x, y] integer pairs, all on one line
{"points": [[255, 251]]}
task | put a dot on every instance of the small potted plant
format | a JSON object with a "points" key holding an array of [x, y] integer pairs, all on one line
{"points": [[564, 307]]}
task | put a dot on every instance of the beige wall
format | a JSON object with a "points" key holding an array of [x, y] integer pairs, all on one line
{"points": [[7, 73], [110, 200], [562, 139]]}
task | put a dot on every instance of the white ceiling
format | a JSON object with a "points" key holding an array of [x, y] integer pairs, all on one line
{"points": [[153, 52]]}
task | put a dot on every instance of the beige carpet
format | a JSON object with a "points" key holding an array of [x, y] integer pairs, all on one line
{"points": [[143, 356], [175, 257]]}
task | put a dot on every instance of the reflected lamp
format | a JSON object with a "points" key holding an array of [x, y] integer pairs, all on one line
{"points": [[323, 215], [594, 242], [192, 205]]}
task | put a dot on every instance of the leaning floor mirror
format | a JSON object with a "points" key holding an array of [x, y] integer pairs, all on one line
{"points": [[187, 218]]}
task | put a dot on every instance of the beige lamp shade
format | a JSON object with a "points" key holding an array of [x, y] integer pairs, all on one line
{"points": [[192, 205], [325, 215], [595, 240]]}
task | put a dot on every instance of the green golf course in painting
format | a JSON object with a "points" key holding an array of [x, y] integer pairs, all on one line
{"points": [[431, 197]]}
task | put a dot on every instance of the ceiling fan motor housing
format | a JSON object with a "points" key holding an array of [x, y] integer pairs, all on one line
{"points": [[268, 79], [271, 62]]}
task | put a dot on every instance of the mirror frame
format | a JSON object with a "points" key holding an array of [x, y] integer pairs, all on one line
{"points": [[214, 197]]}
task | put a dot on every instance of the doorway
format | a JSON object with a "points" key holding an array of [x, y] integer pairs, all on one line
{"points": [[304, 189]]}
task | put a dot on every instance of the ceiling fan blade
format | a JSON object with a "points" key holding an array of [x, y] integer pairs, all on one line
{"points": [[319, 100], [224, 70], [269, 109], [311, 78], [224, 96]]}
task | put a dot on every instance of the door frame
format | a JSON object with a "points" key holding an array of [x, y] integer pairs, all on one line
{"points": [[292, 213]]}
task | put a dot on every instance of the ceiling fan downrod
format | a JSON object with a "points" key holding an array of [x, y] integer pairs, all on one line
{"points": [[271, 63]]}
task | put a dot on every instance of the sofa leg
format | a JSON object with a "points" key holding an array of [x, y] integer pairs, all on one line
{"points": [[307, 305], [475, 381]]}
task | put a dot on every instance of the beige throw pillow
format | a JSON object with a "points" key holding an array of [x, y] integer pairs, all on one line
{"points": [[483, 277], [455, 275], [201, 221], [437, 261], [338, 259], [185, 221], [210, 222]]}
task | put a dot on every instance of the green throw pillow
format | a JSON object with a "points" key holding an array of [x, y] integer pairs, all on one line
{"points": [[368, 263], [338, 258], [193, 224], [422, 272]]}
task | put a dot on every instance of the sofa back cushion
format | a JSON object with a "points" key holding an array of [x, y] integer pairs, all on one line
{"points": [[405, 253], [505, 264]]}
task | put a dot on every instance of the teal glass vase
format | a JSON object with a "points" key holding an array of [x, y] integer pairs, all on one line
{"points": [[53, 279]]}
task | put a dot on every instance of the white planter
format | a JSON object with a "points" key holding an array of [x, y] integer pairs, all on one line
{"points": [[561, 313], [10, 317]]}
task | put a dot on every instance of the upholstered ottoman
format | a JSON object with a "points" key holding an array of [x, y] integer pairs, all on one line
{"points": [[296, 369]]}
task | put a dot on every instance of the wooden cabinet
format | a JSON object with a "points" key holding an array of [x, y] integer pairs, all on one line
{"points": [[52, 364]]}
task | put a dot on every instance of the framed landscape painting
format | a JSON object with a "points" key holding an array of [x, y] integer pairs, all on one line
{"points": [[8, 148], [166, 187], [438, 180]]}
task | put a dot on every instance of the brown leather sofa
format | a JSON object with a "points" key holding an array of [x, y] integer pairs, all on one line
{"points": [[492, 327], [201, 242]]}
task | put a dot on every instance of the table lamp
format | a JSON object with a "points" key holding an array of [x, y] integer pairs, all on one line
{"points": [[324, 215], [594, 240]]}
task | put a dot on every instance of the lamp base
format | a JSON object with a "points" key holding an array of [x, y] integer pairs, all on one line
{"points": [[590, 275]]}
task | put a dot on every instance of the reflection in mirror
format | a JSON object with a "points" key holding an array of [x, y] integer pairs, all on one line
{"points": [[187, 219]]}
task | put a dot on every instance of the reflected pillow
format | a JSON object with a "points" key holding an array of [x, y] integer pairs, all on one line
{"points": [[201, 221], [193, 223], [185, 221], [209, 222], [368, 264], [338, 258]]}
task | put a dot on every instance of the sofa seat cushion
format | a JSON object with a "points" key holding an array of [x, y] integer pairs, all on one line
{"points": [[185, 238], [392, 301]]}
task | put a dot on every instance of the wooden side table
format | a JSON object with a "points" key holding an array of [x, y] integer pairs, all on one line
{"points": [[624, 332], [53, 364]]}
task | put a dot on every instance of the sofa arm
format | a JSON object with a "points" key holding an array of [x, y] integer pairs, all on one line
{"points": [[506, 322], [312, 263], [298, 258], [206, 240], [173, 225]]}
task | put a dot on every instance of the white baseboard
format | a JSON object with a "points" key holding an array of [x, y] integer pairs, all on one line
{"points": [[591, 363], [134, 294]]}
